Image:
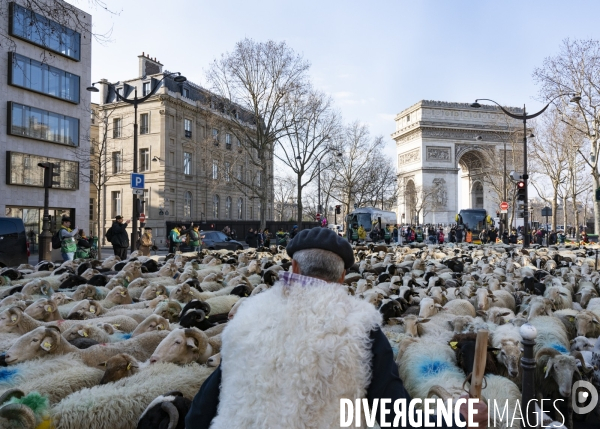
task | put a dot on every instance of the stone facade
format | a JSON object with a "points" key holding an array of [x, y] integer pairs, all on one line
{"points": [[35, 139], [194, 168], [433, 139]]}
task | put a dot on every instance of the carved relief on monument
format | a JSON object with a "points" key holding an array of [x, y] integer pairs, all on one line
{"points": [[410, 156], [440, 194], [436, 153]]}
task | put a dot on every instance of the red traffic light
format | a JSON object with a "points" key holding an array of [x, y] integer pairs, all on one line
{"points": [[520, 185]]}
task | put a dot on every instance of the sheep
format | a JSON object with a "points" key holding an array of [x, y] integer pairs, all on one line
{"points": [[119, 366], [506, 339], [86, 309], [54, 378], [582, 343], [44, 309], [46, 342], [222, 304], [154, 322], [559, 296], [152, 291], [186, 345], [14, 320], [103, 334], [551, 333], [498, 298], [118, 405], [170, 408]]}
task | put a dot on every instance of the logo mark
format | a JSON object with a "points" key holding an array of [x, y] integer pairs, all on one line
{"points": [[582, 393]]}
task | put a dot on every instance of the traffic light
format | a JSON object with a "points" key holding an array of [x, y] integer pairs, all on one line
{"points": [[521, 191], [50, 174], [338, 209]]}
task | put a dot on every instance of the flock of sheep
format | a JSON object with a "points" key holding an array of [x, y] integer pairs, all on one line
{"points": [[125, 344]]}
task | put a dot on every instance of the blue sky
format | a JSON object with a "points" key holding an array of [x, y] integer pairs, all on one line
{"points": [[375, 58]]}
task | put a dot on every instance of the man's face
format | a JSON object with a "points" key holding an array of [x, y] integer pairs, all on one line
{"points": [[120, 220], [67, 223]]}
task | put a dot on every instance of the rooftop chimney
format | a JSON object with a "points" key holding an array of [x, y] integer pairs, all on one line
{"points": [[149, 66]]}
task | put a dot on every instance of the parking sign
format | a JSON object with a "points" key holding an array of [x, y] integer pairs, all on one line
{"points": [[137, 181]]}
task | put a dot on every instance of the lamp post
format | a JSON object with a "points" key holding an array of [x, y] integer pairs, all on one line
{"points": [[524, 117], [135, 101]]}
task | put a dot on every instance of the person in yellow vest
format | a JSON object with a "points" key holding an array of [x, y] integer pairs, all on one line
{"points": [[146, 242], [68, 244], [362, 234], [469, 236]]}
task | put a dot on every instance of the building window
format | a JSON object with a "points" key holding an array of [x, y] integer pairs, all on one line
{"points": [[38, 124], [116, 203], [240, 172], [250, 214], [171, 158], [144, 123], [258, 178], [215, 169], [187, 125], [144, 159], [187, 163], [91, 209], [117, 162], [258, 210], [35, 76], [172, 207], [227, 172], [215, 135], [228, 208], [186, 93], [44, 32], [187, 204], [145, 89], [228, 141], [239, 145], [22, 169], [216, 207], [117, 122], [146, 199], [240, 206], [92, 175], [408, 118]]}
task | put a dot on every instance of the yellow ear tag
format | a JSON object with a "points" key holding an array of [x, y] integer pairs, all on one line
{"points": [[157, 293], [13, 318], [47, 345], [128, 366], [49, 308], [92, 309], [453, 344], [545, 368], [160, 327], [571, 319], [206, 317], [496, 352], [116, 325]]}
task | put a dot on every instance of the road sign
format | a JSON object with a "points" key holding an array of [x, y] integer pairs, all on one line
{"points": [[546, 211], [161, 212], [503, 211], [137, 181], [318, 216], [138, 192], [503, 205], [142, 217]]}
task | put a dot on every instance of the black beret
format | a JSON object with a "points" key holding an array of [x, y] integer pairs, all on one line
{"points": [[325, 239]]}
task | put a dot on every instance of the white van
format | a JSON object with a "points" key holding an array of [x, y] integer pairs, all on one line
{"points": [[339, 229]]}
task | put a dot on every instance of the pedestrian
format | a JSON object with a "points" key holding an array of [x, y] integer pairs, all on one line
{"points": [[294, 231], [118, 237], [83, 246], [281, 237], [440, 236], [483, 236], [584, 237], [260, 238], [251, 239], [261, 345], [395, 234], [552, 238], [146, 242], [267, 235], [459, 234], [175, 239], [452, 236], [492, 235], [195, 238], [513, 238], [362, 234], [233, 234], [68, 243], [469, 237], [227, 231]]}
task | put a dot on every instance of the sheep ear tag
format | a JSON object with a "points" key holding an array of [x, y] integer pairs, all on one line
{"points": [[49, 308], [453, 344], [128, 366], [46, 346], [92, 309], [13, 318], [82, 333], [571, 319], [160, 327]]}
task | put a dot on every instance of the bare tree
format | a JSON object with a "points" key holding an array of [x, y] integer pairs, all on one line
{"points": [[96, 165], [575, 69], [284, 189], [253, 83], [312, 124]]}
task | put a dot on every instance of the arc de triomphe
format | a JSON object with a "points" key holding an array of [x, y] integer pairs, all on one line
{"points": [[442, 146]]}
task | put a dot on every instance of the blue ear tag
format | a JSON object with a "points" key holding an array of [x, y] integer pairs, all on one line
{"points": [[176, 275]]}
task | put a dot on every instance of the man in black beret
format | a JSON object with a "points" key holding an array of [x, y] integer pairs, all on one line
{"points": [[291, 353]]}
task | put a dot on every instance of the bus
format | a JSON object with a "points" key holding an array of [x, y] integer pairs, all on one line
{"points": [[475, 220], [368, 217]]}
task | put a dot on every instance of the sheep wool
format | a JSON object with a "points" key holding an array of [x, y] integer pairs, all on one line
{"points": [[332, 337]]}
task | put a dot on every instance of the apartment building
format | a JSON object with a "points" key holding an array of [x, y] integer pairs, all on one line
{"points": [[44, 64], [195, 170]]}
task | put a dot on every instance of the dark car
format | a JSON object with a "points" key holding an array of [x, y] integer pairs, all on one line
{"points": [[216, 240], [13, 242]]}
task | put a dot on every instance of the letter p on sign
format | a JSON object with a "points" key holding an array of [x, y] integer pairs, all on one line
{"points": [[137, 181]]}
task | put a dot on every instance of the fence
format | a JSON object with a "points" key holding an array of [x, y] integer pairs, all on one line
{"points": [[242, 227]]}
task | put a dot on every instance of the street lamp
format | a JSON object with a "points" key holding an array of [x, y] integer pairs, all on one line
{"points": [[135, 101], [575, 98]]}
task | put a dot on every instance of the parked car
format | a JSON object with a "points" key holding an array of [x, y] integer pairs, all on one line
{"points": [[216, 240], [13, 242]]}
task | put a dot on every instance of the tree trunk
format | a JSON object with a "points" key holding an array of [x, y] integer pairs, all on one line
{"points": [[299, 206], [554, 211], [596, 203], [99, 219], [565, 219]]}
